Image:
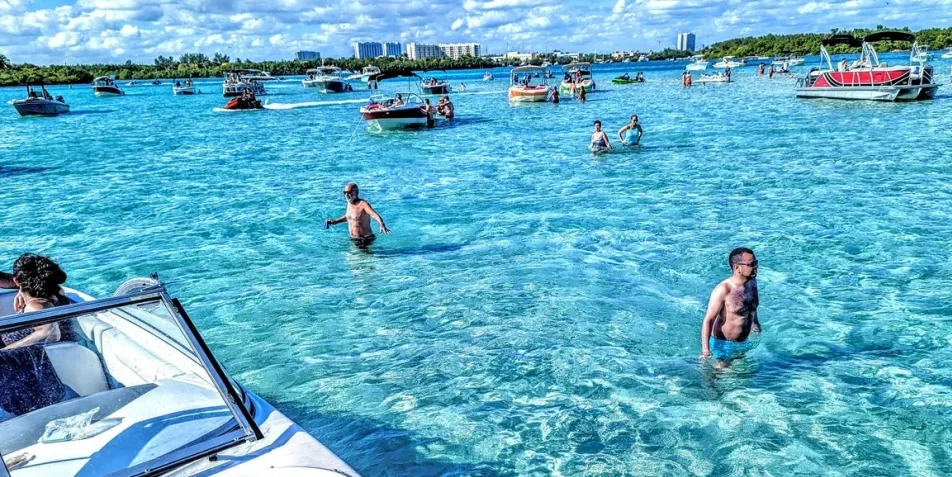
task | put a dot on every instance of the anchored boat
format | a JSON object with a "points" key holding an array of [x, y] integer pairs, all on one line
{"points": [[132, 389], [522, 90], [699, 64], [400, 111], [327, 79], [867, 78], [236, 83], [42, 104], [579, 75], [106, 86]]}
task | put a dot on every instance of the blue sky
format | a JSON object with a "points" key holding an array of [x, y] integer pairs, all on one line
{"points": [[83, 31]]}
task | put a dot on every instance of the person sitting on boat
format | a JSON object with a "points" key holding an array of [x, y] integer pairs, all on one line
{"points": [[640, 77], [599, 139], [843, 66], [358, 215], [38, 279], [625, 76], [398, 101], [31, 94], [625, 133], [178, 84], [567, 77]]}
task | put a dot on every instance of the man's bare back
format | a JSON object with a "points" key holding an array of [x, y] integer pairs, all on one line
{"points": [[732, 309]]}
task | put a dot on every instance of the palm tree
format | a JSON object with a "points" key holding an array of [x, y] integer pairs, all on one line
{"points": [[4, 62]]}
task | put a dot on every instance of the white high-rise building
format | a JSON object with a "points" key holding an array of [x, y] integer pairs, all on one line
{"points": [[456, 50], [686, 41], [392, 49], [370, 49], [419, 51]]}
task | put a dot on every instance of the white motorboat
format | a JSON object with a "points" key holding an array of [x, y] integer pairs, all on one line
{"points": [[403, 110], [521, 89], [131, 389], [947, 55], [235, 84], [642, 58], [184, 89], [578, 75], [364, 75], [42, 104], [716, 78], [699, 64], [487, 76], [106, 86], [730, 62], [257, 75], [327, 79], [922, 55], [788, 61]]}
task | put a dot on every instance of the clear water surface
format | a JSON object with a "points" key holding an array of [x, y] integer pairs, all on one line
{"points": [[536, 311]]}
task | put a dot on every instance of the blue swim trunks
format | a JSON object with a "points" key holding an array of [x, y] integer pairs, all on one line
{"points": [[728, 351]]}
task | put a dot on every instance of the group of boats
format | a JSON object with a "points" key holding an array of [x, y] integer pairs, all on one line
{"points": [[522, 89], [698, 62]]}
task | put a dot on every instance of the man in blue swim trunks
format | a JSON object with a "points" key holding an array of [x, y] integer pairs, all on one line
{"points": [[732, 311]]}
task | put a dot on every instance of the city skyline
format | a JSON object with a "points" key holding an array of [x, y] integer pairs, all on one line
{"points": [[90, 31]]}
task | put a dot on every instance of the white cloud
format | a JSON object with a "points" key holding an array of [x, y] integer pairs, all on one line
{"points": [[129, 30]]}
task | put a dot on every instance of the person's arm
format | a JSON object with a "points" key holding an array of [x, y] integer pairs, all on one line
{"points": [[6, 280], [41, 334], [714, 306], [329, 222], [373, 214], [755, 326], [607, 142], [640, 132], [621, 132]]}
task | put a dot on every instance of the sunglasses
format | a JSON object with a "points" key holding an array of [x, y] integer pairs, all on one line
{"points": [[751, 264]]}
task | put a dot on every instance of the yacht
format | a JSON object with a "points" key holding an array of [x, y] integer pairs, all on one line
{"points": [[729, 62], [43, 104], [132, 389], [106, 86], [257, 75], [236, 83], [327, 79], [365, 74]]}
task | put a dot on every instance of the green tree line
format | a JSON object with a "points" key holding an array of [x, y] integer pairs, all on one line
{"points": [[809, 43]]}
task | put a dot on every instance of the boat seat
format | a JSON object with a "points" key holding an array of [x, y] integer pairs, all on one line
{"points": [[77, 367], [130, 364], [6, 302], [24, 431]]}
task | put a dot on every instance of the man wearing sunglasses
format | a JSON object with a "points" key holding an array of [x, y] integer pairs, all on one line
{"points": [[732, 311], [358, 215]]}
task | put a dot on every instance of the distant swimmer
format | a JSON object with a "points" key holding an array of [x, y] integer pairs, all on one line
{"points": [[628, 130], [358, 215], [599, 139], [732, 311]]}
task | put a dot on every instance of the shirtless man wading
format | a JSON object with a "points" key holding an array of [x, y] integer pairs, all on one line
{"points": [[732, 311], [358, 215]]}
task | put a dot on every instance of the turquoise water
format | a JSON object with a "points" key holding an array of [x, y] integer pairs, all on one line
{"points": [[537, 309]]}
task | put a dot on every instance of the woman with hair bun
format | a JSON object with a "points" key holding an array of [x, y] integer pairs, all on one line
{"points": [[38, 279]]}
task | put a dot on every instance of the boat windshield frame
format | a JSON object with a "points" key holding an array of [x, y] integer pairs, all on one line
{"points": [[231, 395]]}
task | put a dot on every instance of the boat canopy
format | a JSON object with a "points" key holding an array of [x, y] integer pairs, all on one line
{"points": [[520, 69], [890, 36], [394, 74], [842, 40], [103, 78]]}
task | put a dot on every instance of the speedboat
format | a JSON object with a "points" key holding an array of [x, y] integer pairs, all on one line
{"points": [[132, 389], [947, 55], [642, 58], [106, 86], [716, 78], [398, 112], [236, 84], [867, 78], [432, 85], [923, 55], [521, 90], [40, 104], [579, 70], [184, 89], [700, 64], [487, 76], [327, 79], [364, 74], [729, 62], [257, 75]]}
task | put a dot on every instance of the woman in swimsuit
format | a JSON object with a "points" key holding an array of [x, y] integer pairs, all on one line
{"points": [[38, 279], [599, 139]]}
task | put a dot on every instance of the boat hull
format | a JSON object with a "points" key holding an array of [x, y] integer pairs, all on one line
{"points": [[394, 118], [566, 87], [531, 94], [32, 107], [327, 86], [184, 91], [435, 89], [103, 91], [871, 93], [696, 67]]}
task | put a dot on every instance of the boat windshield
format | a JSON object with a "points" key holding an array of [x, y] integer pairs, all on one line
{"points": [[128, 389]]}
